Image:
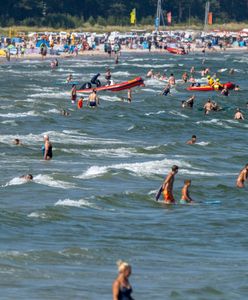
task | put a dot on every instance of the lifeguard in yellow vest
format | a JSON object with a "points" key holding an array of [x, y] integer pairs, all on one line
{"points": [[210, 80], [217, 85]]}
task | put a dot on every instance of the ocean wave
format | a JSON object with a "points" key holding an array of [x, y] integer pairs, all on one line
{"points": [[203, 143], [20, 115], [43, 180], [51, 182], [177, 113], [37, 215], [214, 122], [111, 98], [155, 113], [140, 169], [76, 203], [149, 65]]}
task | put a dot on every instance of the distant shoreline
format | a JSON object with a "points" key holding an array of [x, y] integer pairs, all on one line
{"points": [[101, 53]]}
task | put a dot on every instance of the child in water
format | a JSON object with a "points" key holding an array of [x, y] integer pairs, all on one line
{"points": [[186, 199]]}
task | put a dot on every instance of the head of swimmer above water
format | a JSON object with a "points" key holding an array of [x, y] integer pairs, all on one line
{"points": [[46, 137]]}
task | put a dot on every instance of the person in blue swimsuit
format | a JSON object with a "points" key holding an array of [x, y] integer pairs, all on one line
{"points": [[47, 148], [121, 287]]}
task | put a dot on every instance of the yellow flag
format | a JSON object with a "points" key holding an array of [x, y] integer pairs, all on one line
{"points": [[133, 16]]}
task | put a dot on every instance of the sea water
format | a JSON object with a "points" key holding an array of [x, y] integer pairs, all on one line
{"points": [[93, 203]]}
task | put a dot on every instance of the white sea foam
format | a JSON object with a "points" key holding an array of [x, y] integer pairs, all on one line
{"points": [[53, 110], [155, 113], [16, 181], [149, 66], [177, 113], [203, 143], [214, 122], [140, 169], [20, 115], [222, 70], [9, 122], [51, 95], [76, 203], [111, 98], [149, 90], [37, 215], [121, 73], [49, 181]]}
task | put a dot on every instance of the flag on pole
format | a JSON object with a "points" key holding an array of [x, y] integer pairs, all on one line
{"points": [[169, 18], [210, 18], [133, 16]]}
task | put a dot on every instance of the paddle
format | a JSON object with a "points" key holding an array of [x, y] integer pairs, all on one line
{"points": [[159, 193]]}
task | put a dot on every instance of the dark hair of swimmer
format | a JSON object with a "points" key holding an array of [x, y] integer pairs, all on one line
{"points": [[174, 168], [193, 136], [16, 141], [30, 176]]}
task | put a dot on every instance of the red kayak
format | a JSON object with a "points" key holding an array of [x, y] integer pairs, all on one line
{"points": [[179, 51], [116, 87], [206, 88]]}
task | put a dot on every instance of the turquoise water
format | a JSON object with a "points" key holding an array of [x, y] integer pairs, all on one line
{"points": [[94, 202]]}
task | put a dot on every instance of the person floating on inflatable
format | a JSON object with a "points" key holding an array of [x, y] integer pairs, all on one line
{"points": [[217, 85], [210, 80]]}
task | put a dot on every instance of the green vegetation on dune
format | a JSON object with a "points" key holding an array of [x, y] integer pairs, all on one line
{"points": [[89, 13], [16, 30]]}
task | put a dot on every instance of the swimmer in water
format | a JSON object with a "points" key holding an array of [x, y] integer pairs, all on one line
{"points": [[17, 142], [73, 94], [167, 186], [166, 90], [69, 78], [64, 112], [190, 102], [185, 199], [129, 95], [47, 148], [243, 174], [93, 100], [27, 177], [121, 288], [192, 140], [150, 73], [238, 115], [225, 91], [172, 80], [208, 107]]}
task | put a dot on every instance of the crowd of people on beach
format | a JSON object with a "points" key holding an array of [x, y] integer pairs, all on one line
{"points": [[74, 43]]}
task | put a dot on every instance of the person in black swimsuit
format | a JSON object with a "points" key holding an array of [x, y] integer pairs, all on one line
{"points": [[47, 148], [121, 287]]}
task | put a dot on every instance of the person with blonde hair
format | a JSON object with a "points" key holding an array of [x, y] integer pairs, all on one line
{"points": [[121, 287]]}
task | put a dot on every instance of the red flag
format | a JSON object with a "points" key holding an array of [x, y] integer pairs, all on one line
{"points": [[169, 17], [210, 18]]}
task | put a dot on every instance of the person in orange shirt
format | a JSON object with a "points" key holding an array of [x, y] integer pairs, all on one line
{"points": [[168, 186], [80, 102]]}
